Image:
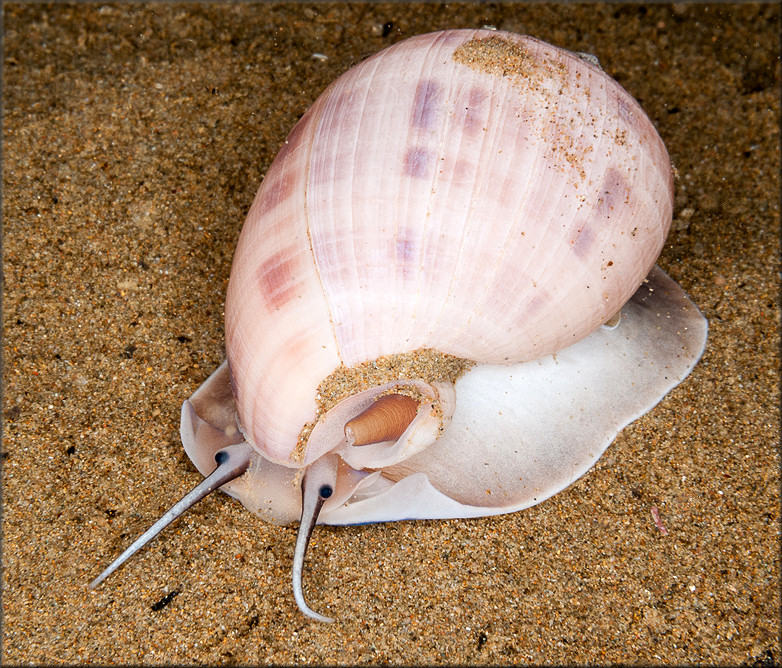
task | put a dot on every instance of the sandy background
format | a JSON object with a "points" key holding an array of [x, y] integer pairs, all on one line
{"points": [[134, 138]]}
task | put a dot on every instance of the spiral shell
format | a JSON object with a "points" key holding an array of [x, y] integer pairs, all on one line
{"points": [[482, 194]]}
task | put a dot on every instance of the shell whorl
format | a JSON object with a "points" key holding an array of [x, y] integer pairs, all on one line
{"points": [[475, 192]]}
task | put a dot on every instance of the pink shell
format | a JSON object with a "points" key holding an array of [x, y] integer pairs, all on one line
{"points": [[422, 202]]}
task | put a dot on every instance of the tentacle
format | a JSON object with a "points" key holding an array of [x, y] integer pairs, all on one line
{"points": [[317, 486], [231, 463]]}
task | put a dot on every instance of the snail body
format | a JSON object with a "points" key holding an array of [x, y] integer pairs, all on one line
{"points": [[444, 301]]}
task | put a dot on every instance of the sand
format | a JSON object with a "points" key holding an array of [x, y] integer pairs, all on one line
{"points": [[134, 139]]}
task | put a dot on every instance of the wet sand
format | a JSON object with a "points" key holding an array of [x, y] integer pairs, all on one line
{"points": [[135, 137]]}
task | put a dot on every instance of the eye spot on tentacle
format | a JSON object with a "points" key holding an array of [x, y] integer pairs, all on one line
{"points": [[416, 162], [325, 491]]}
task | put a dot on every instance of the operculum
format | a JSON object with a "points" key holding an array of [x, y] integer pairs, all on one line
{"points": [[425, 376], [417, 414]]}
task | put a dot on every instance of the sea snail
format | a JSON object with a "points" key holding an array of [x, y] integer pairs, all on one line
{"points": [[444, 300]]}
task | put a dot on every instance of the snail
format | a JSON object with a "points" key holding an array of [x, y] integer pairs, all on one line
{"points": [[444, 301]]}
